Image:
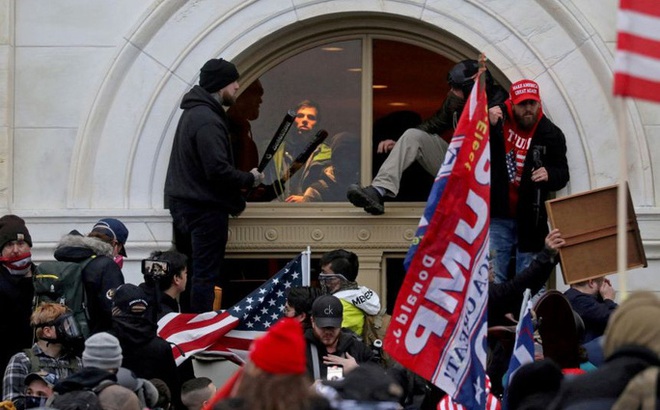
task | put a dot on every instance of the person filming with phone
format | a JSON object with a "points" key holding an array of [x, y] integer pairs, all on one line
{"points": [[331, 351]]}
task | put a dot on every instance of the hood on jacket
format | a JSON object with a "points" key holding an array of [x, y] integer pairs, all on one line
{"points": [[75, 247], [199, 96], [85, 378]]}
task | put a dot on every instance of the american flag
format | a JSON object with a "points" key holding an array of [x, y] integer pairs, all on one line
{"points": [[229, 333], [511, 166], [637, 62]]}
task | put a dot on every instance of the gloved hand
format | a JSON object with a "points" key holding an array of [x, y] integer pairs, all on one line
{"points": [[258, 177]]}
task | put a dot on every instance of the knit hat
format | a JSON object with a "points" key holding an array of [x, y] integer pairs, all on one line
{"points": [[281, 350], [129, 299], [634, 322], [12, 228], [115, 229], [102, 350], [217, 74], [327, 311], [524, 90]]}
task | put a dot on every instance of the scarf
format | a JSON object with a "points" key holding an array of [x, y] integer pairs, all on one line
{"points": [[516, 144], [18, 265]]}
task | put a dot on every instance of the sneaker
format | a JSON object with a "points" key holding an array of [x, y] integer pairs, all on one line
{"points": [[367, 198]]}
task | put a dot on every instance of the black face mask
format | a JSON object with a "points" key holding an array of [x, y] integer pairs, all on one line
{"points": [[32, 402]]}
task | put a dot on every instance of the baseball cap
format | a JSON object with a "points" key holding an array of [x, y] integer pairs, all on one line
{"points": [[130, 299], [49, 378], [115, 229], [524, 90], [327, 311]]}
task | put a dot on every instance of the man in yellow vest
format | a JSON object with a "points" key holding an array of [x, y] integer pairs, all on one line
{"points": [[339, 270]]}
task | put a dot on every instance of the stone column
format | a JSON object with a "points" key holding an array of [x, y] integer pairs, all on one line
{"points": [[6, 99]]}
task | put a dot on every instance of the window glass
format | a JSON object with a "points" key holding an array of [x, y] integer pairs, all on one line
{"points": [[323, 87], [404, 94]]}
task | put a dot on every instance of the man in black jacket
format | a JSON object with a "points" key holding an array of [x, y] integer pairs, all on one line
{"points": [[528, 161], [329, 345], [101, 251], [203, 185], [16, 289], [146, 354]]}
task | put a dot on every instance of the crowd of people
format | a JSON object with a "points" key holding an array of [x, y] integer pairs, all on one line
{"points": [[101, 350]]}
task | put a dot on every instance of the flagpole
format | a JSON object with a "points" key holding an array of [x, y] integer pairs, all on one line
{"points": [[622, 206], [306, 265]]}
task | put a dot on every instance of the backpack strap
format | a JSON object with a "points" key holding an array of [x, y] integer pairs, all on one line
{"points": [[35, 363], [101, 386], [315, 361], [85, 305]]}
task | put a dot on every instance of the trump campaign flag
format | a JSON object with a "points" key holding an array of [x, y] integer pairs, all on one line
{"points": [[637, 62], [438, 327], [230, 333]]}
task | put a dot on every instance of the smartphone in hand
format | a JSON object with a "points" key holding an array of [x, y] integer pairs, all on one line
{"points": [[335, 372]]}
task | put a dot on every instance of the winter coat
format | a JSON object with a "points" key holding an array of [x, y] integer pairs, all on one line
{"points": [[16, 293], [601, 388], [146, 354], [357, 303], [594, 311], [201, 169], [531, 230], [100, 277], [348, 343]]}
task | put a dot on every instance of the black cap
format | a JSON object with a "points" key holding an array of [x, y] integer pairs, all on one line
{"points": [[130, 299], [327, 311]]}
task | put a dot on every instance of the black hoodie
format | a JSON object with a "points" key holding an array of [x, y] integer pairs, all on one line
{"points": [[201, 168], [146, 354]]}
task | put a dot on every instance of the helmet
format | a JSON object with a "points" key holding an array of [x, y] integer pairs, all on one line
{"points": [[460, 76]]}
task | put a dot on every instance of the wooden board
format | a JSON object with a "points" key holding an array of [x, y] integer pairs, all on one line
{"points": [[588, 222]]}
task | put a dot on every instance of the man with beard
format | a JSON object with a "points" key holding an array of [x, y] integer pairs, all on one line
{"points": [[528, 161], [245, 110], [329, 345], [203, 185]]}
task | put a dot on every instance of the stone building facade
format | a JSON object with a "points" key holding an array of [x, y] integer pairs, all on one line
{"points": [[89, 94]]}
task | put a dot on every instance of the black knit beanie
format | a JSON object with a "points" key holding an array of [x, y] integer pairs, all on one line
{"points": [[12, 228], [217, 74]]}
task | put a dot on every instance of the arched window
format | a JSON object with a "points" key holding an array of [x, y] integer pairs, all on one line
{"points": [[361, 86]]}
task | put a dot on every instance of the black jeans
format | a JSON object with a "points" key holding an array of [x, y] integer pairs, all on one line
{"points": [[208, 230]]}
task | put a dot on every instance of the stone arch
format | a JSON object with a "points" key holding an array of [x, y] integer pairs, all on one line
{"points": [[123, 144]]}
